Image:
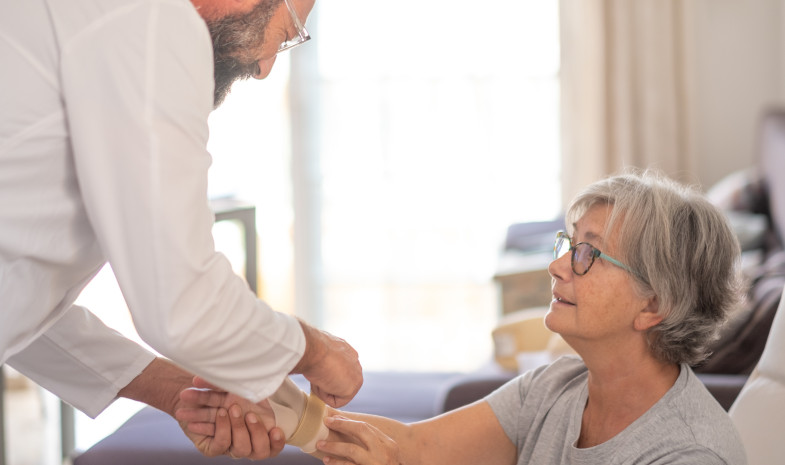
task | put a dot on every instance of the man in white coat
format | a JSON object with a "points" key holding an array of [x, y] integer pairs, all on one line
{"points": [[103, 135]]}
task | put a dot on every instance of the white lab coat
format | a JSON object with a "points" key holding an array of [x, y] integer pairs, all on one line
{"points": [[103, 134]]}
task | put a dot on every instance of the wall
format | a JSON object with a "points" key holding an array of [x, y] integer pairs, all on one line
{"points": [[735, 52]]}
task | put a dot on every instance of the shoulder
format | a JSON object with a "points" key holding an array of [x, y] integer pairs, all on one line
{"points": [[707, 424], [698, 454], [81, 20], [547, 381], [558, 373]]}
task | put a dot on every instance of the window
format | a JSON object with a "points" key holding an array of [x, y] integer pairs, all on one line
{"points": [[439, 129]]}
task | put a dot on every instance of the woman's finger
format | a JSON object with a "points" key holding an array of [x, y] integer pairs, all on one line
{"points": [[371, 445], [366, 433], [343, 451]]}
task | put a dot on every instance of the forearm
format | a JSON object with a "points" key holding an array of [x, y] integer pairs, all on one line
{"points": [[159, 385], [468, 435]]}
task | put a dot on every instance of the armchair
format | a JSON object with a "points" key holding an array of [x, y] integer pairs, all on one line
{"points": [[759, 410]]}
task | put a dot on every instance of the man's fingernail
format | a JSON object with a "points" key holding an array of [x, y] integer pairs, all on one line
{"points": [[252, 418], [221, 412], [235, 411], [276, 436]]}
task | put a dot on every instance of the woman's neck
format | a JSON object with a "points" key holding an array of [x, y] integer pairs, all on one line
{"points": [[621, 389]]}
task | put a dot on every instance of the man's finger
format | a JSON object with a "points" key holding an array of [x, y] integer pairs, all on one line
{"points": [[260, 442], [199, 397], [196, 415], [277, 441], [202, 383], [330, 399], [202, 429], [241, 440], [222, 439]]}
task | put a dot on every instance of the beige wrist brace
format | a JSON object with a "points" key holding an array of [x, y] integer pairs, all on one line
{"points": [[300, 416]]}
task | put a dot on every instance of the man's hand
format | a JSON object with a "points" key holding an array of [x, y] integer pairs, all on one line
{"points": [[161, 384], [219, 423], [331, 365]]}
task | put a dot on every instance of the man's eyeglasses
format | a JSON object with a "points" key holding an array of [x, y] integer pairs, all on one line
{"points": [[302, 35], [583, 254]]}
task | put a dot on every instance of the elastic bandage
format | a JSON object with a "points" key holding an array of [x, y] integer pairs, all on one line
{"points": [[300, 416]]}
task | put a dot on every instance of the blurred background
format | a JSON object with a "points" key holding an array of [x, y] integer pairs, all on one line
{"points": [[387, 157]]}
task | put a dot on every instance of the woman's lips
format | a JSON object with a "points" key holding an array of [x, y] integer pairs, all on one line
{"points": [[559, 298]]}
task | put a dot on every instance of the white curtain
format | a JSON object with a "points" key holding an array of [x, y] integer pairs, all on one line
{"points": [[624, 75]]}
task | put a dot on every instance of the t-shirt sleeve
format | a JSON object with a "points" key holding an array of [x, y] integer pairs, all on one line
{"points": [[507, 403]]}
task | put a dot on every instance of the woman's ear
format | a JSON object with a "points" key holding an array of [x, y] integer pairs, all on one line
{"points": [[649, 315]]}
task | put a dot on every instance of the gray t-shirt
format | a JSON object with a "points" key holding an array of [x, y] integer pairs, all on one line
{"points": [[541, 413]]}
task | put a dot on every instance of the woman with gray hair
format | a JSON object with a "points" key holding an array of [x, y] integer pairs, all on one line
{"points": [[643, 277]]}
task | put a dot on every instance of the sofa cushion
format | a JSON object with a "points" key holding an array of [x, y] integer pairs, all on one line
{"points": [[741, 341]]}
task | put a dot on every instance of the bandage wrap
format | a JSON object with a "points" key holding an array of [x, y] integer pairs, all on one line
{"points": [[300, 416]]}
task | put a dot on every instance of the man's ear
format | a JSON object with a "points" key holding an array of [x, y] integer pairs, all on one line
{"points": [[649, 315], [211, 10]]}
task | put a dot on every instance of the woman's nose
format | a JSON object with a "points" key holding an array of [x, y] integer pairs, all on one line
{"points": [[561, 268]]}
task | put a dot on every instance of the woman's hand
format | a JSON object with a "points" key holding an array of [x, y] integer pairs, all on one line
{"points": [[220, 423], [357, 443]]}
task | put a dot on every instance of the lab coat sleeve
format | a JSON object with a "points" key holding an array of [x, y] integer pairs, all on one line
{"points": [[138, 120], [82, 361]]}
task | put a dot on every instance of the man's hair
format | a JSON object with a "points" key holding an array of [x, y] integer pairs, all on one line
{"points": [[681, 250]]}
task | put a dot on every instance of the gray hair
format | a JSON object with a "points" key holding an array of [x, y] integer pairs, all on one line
{"points": [[681, 250]]}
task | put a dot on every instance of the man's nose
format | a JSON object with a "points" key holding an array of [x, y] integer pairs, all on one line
{"points": [[264, 67]]}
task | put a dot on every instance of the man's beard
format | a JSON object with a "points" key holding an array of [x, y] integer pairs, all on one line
{"points": [[234, 39]]}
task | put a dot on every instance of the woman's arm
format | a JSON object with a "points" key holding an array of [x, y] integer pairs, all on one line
{"points": [[468, 435]]}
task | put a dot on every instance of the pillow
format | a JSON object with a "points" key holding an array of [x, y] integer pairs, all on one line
{"points": [[743, 337], [739, 191]]}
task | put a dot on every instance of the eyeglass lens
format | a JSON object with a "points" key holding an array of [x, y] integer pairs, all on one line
{"points": [[561, 247], [582, 258], [582, 254]]}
